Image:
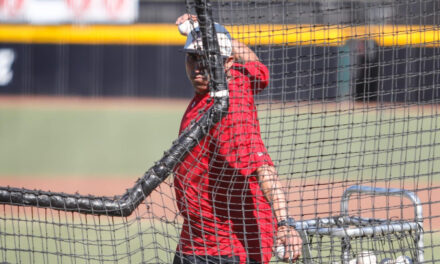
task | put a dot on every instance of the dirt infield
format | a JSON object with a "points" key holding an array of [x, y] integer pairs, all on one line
{"points": [[92, 102], [316, 201], [180, 104]]}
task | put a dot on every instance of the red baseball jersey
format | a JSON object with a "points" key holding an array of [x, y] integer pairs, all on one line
{"points": [[217, 191]]}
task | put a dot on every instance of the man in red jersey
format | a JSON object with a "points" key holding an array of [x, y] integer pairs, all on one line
{"points": [[227, 188]]}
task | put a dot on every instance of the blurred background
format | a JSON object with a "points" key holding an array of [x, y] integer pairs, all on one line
{"points": [[94, 89], [81, 81]]}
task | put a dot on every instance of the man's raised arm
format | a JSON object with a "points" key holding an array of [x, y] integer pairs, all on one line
{"points": [[243, 53]]}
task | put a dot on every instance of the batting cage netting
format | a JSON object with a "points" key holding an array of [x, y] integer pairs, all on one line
{"points": [[340, 98]]}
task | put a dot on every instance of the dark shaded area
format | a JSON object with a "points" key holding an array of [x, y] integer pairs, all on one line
{"points": [[97, 70], [400, 73]]}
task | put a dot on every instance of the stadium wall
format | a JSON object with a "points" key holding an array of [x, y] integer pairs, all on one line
{"points": [[145, 60], [97, 70]]}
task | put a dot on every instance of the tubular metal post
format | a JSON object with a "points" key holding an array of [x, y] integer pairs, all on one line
{"points": [[306, 251]]}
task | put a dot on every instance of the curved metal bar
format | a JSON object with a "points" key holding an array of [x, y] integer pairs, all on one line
{"points": [[418, 210], [125, 204]]}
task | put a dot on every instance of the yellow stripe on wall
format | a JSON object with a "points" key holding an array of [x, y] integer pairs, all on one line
{"points": [[153, 34], [289, 34], [167, 34]]}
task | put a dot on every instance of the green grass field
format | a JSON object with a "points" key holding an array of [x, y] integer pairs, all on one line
{"points": [[67, 140], [362, 145], [59, 141], [125, 142]]}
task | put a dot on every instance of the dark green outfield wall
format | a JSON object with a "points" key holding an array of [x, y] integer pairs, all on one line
{"points": [[97, 70], [357, 70]]}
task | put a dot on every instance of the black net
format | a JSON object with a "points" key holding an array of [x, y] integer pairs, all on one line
{"points": [[347, 113]]}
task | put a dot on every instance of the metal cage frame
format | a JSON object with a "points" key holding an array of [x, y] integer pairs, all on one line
{"points": [[347, 227]]}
